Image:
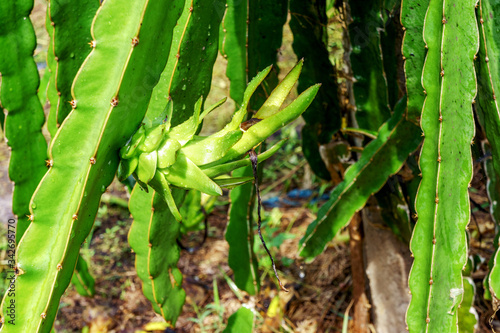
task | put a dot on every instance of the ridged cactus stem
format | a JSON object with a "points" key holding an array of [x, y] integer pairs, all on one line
{"points": [[24, 114], [439, 243], [185, 78], [187, 75], [413, 49], [68, 24], [380, 159], [153, 238], [131, 41]]}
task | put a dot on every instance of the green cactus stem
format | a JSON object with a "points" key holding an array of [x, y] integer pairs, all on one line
{"points": [[24, 114], [412, 19], [177, 97], [131, 43], [380, 159], [439, 242], [153, 237], [68, 24]]}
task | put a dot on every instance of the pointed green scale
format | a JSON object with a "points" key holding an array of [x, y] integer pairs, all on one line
{"points": [[240, 115], [152, 139], [129, 149], [204, 150], [162, 187], [273, 103], [380, 159], [184, 132], [146, 167], [211, 108], [226, 168], [185, 174], [439, 242], [266, 127], [127, 167], [68, 24], [167, 153], [18, 95], [66, 201], [232, 182], [153, 237]]}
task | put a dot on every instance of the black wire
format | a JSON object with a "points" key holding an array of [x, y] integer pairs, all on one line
{"points": [[253, 158]]}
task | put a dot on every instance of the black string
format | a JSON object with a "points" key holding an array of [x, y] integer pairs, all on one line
{"points": [[253, 159]]}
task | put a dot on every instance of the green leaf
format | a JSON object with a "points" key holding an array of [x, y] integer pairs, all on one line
{"points": [[84, 152], [24, 120], [381, 158], [242, 321], [439, 242], [153, 237]]}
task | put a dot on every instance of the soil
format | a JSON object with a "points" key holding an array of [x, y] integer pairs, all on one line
{"points": [[319, 292]]}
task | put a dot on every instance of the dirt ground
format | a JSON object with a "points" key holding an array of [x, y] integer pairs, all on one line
{"points": [[319, 292]]}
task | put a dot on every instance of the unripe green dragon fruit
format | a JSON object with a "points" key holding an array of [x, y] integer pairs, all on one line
{"points": [[162, 156]]}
